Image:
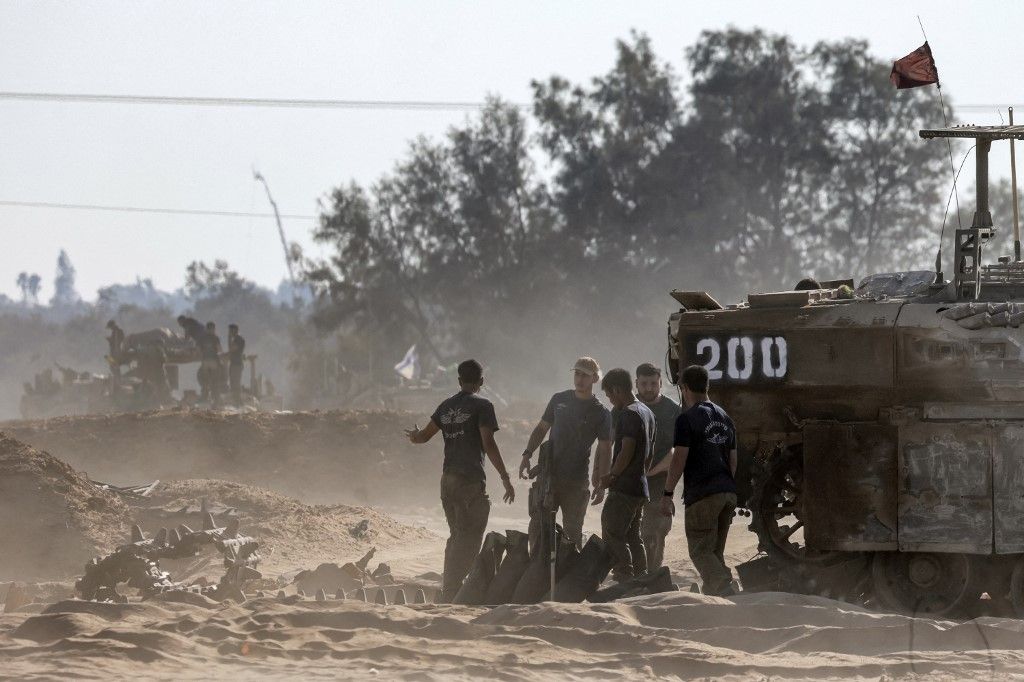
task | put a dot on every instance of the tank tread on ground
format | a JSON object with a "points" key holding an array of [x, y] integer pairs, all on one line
{"points": [[881, 430]]}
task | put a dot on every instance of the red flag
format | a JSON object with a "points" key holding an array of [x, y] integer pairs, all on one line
{"points": [[915, 70]]}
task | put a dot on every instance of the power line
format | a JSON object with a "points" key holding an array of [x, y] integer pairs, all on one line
{"points": [[368, 104], [269, 102], [984, 107], [140, 209]]}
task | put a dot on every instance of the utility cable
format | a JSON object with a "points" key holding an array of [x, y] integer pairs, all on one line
{"points": [[140, 209], [367, 104]]}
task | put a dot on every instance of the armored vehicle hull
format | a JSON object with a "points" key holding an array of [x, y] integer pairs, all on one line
{"points": [[885, 430]]}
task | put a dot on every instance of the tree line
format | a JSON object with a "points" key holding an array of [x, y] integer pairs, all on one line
{"points": [[753, 163]]}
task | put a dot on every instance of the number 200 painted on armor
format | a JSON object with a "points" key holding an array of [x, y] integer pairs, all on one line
{"points": [[740, 354]]}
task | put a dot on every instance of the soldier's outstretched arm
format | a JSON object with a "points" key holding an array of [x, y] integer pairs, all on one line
{"points": [[494, 454], [417, 435]]}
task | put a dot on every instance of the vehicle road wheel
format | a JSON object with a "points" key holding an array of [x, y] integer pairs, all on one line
{"points": [[924, 583], [776, 506]]}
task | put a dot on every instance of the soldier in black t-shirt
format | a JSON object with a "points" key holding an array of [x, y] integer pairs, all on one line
{"points": [[575, 419], [622, 515], [467, 423], [705, 457], [236, 360]]}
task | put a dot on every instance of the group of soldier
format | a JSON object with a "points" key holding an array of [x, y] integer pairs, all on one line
{"points": [[151, 359], [645, 444], [211, 375]]}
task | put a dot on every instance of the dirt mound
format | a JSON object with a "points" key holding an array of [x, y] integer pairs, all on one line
{"points": [[52, 520], [292, 535], [341, 456]]}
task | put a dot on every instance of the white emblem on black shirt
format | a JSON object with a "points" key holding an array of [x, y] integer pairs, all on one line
{"points": [[454, 416], [716, 433]]}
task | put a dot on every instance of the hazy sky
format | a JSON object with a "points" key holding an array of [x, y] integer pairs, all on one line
{"points": [[201, 157]]}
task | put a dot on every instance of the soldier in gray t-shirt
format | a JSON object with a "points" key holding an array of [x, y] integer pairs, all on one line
{"points": [[576, 420], [656, 526]]}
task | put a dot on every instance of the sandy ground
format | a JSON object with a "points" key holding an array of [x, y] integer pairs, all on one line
{"points": [[672, 635]]}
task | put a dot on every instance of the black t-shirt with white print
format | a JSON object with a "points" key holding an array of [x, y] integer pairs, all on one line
{"points": [[459, 418], [710, 435]]}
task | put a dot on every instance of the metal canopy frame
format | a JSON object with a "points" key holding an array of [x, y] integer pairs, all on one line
{"points": [[968, 242]]}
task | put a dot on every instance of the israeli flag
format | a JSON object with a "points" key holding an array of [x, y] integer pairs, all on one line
{"points": [[409, 367]]}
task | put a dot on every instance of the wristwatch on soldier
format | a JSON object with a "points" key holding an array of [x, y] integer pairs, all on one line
{"points": [[527, 454], [670, 493]]}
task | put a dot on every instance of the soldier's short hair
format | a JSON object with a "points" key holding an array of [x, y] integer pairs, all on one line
{"points": [[696, 379], [617, 379], [233, 326], [647, 369], [470, 371], [807, 284]]}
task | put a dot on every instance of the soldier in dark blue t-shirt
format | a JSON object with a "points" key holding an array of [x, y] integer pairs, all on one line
{"points": [[622, 514], [705, 457], [467, 423]]}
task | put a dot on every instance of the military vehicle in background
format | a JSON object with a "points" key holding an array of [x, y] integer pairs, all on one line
{"points": [[881, 429], [143, 376]]}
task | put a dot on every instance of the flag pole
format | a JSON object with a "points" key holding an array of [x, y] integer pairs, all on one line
{"points": [[1013, 185], [952, 166]]}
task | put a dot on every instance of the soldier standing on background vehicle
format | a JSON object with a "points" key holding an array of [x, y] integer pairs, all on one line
{"points": [[576, 418], [467, 423], [116, 344], [236, 361], [705, 457], [209, 352], [622, 515], [656, 525]]}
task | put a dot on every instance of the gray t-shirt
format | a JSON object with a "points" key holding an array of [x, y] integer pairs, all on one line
{"points": [[575, 425], [665, 412]]}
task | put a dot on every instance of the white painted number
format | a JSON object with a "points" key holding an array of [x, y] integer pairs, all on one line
{"points": [[716, 355], [733, 347], [740, 359]]}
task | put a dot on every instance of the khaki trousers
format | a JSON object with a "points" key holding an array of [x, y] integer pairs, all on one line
{"points": [[707, 524], [466, 508]]}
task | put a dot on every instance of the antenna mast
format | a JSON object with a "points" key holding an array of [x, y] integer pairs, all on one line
{"points": [[280, 229]]}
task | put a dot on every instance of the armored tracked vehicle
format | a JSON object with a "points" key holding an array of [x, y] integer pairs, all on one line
{"points": [[881, 429]]}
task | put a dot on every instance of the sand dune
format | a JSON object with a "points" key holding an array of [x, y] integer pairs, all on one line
{"points": [[768, 635]]}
